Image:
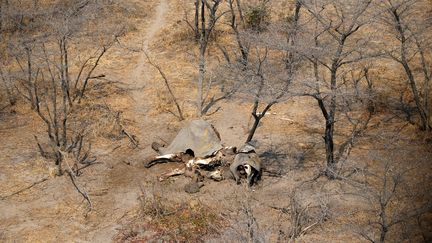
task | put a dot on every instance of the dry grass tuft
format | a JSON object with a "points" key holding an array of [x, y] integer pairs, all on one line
{"points": [[167, 221]]}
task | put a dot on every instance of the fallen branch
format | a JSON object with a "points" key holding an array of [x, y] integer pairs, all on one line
{"points": [[271, 173], [82, 192], [73, 178], [284, 210], [303, 231], [85, 166], [24, 189], [132, 138]]}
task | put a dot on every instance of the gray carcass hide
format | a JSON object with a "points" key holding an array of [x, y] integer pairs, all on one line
{"points": [[247, 161], [199, 136], [196, 145]]}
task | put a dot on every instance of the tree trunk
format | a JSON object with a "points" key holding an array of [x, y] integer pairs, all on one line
{"points": [[257, 120], [423, 117], [244, 49], [64, 96], [66, 70], [329, 146], [201, 64], [240, 10], [411, 80], [330, 118], [383, 220], [328, 138], [258, 116], [291, 35], [201, 68], [30, 79], [196, 19]]}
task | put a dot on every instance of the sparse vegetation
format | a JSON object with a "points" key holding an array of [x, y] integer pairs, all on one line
{"points": [[333, 94], [171, 221]]}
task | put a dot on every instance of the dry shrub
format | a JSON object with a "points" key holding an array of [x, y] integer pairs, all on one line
{"points": [[163, 220], [179, 34], [101, 120], [244, 227], [106, 88], [164, 102]]}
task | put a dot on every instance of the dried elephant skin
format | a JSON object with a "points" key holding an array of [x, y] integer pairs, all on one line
{"points": [[198, 136]]}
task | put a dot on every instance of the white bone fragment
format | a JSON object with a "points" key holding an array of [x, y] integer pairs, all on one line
{"points": [[174, 172], [166, 156]]}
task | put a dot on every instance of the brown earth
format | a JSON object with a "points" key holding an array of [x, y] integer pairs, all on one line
{"points": [[53, 211]]}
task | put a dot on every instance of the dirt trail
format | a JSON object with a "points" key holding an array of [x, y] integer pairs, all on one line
{"points": [[122, 198], [141, 75]]}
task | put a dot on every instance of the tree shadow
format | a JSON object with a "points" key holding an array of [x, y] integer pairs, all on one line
{"points": [[280, 158]]}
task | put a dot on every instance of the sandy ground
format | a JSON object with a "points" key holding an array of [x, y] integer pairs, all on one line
{"points": [[53, 211]]}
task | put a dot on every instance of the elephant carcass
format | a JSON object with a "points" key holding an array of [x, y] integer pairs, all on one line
{"points": [[248, 161], [196, 141]]}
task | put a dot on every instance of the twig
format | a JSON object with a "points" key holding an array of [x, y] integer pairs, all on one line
{"points": [[173, 98], [24, 189], [271, 173], [303, 231], [86, 165], [72, 176], [132, 138], [284, 210], [82, 192]]}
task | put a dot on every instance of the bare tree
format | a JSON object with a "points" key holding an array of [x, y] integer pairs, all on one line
{"points": [[269, 78], [306, 216], [7, 83], [385, 191], [52, 65], [179, 114], [195, 25], [333, 52], [243, 45], [409, 28], [29, 73], [205, 30], [55, 115], [264, 90], [244, 225]]}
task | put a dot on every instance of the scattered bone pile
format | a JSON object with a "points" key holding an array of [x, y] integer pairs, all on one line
{"points": [[199, 148]]}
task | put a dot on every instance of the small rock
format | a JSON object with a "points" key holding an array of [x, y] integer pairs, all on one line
{"points": [[193, 187]]}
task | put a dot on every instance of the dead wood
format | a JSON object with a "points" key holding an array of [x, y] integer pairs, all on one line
{"points": [[73, 176], [24, 189], [132, 138], [167, 85], [81, 191]]}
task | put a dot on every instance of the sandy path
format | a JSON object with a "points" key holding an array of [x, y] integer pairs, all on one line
{"points": [[141, 75], [123, 183]]}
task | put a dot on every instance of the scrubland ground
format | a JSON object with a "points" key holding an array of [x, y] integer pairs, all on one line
{"points": [[130, 204]]}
